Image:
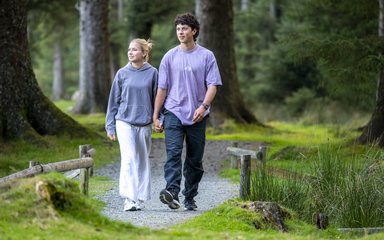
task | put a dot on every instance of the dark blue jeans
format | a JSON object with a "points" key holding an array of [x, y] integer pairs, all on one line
{"points": [[194, 136]]}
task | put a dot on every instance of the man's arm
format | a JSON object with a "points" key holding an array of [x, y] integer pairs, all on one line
{"points": [[209, 96]]}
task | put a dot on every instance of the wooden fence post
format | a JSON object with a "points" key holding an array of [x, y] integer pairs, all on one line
{"points": [[245, 178], [262, 154], [33, 163], [84, 172], [234, 159], [84, 180], [83, 150]]}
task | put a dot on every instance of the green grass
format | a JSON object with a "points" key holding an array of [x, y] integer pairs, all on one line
{"points": [[66, 214], [16, 155], [290, 146], [233, 222]]}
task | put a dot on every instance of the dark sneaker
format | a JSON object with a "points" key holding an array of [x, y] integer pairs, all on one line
{"points": [[190, 204], [172, 200]]}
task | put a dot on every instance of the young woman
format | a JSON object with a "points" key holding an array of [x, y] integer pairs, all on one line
{"points": [[129, 119]]}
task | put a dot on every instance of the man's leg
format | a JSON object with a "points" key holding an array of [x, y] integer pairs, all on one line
{"points": [[193, 165], [174, 138]]}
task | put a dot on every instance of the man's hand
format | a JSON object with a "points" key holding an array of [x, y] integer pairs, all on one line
{"points": [[198, 116]]}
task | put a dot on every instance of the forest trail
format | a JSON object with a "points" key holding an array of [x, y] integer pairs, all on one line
{"points": [[213, 190]]}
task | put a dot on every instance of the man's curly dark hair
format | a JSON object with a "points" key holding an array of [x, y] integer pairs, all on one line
{"points": [[190, 20]]}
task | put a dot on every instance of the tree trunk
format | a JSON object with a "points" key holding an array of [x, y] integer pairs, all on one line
{"points": [[216, 34], [57, 85], [373, 132], [95, 81], [120, 10], [117, 17], [244, 5], [24, 111]]}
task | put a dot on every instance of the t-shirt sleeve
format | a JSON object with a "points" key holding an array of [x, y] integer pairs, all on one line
{"points": [[213, 73], [163, 74]]}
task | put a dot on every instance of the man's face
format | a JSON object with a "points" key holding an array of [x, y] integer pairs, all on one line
{"points": [[185, 33]]}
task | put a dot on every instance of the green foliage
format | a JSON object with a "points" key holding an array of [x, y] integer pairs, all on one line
{"points": [[280, 77], [331, 49], [265, 72], [164, 39], [142, 15], [342, 39], [299, 101]]}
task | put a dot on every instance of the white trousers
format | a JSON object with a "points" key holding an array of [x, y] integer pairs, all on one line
{"points": [[135, 175]]}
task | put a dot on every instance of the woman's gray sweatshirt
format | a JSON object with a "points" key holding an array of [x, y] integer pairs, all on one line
{"points": [[132, 96]]}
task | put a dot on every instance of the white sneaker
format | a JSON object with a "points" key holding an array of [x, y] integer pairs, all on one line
{"points": [[129, 205], [140, 205]]}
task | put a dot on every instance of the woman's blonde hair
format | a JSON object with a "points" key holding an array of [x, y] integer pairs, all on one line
{"points": [[146, 46]]}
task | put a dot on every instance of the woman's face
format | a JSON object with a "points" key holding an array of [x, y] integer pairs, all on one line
{"points": [[135, 54]]}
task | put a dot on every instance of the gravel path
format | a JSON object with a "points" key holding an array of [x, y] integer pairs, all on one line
{"points": [[213, 190]]}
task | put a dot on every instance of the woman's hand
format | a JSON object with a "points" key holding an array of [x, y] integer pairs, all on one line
{"points": [[158, 125], [112, 137]]}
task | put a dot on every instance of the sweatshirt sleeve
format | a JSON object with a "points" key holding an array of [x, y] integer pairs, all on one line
{"points": [[113, 106], [154, 87]]}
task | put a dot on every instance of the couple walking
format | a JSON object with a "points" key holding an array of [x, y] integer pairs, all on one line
{"points": [[176, 99]]}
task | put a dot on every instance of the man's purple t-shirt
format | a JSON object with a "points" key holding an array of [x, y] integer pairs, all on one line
{"points": [[186, 75]]}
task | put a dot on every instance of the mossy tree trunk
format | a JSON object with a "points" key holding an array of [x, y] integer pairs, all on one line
{"points": [[24, 110], [373, 132], [217, 34]]}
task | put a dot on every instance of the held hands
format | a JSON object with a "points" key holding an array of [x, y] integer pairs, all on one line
{"points": [[198, 116], [158, 126]]}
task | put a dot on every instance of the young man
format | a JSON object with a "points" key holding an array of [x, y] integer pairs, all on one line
{"points": [[188, 80]]}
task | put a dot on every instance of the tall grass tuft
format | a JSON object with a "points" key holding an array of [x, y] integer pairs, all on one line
{"points": [[288, 191], [349, 190]]}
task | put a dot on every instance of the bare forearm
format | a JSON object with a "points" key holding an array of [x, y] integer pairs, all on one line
{"points": [[159, 101], [210, 95]]}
